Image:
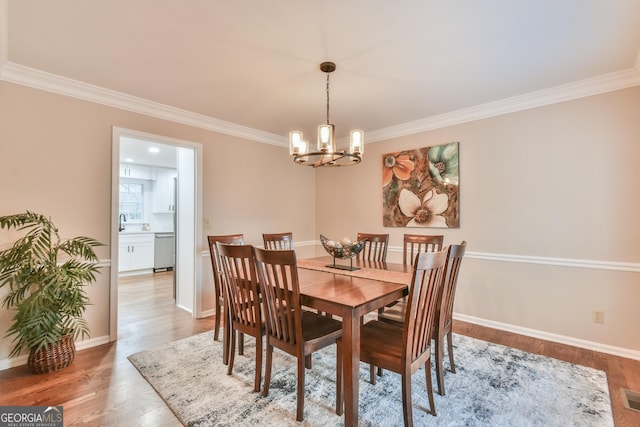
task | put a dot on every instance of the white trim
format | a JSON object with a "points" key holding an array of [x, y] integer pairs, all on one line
{"points": [[579, 89], [563, 262], [19, 74], [80, 345], [562, 339], [633, 267]]}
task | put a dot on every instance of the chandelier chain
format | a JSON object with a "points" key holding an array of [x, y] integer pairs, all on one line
{"points": [[328, 98]]}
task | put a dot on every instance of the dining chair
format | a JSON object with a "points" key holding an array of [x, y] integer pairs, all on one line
{"points": [[412, 245], [218, 286], [375, 247], [443, 325], [243, 299], [278, 241], [404, 350], [291, 329], [415, 243]]}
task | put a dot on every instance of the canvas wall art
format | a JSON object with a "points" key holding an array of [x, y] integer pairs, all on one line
{"points": [[420, 187]]}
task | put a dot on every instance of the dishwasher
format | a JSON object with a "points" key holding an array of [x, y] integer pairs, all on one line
{"points": [[163, 258]]}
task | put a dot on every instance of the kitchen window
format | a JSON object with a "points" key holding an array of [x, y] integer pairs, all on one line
{"points": [[132, 201]]}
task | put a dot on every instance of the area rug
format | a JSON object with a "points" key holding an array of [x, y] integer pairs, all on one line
{"points": [[493, 386]]}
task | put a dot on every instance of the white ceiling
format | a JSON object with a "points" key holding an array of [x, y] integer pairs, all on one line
{"points": [[254, 63]]}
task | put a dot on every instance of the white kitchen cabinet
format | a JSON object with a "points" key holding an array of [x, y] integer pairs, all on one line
{"points": [[164, 190], [135, 251], [136, 171]]}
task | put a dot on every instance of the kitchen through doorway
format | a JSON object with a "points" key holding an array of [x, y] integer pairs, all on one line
{"points": [[155, 203]]}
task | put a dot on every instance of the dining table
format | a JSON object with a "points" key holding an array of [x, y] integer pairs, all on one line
{"points": [[350, 295]]}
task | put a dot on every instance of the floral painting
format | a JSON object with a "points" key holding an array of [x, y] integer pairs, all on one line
{"points": [[420, 187]]}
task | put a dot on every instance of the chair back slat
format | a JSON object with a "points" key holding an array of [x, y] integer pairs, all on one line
{"points": [[375, 247], [428, 272], [278, 241], [241, 283], [278, 278], [416, 243], [237, 239], [454, 260]]}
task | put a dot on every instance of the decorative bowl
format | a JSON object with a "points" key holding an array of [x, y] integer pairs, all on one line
{"points": [[342, 249]]}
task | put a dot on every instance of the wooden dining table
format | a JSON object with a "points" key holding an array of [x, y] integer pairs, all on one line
{"points": [[351, 295]]}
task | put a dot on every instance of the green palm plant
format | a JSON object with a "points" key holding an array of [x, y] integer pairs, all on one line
{"points": [[46, 279]]}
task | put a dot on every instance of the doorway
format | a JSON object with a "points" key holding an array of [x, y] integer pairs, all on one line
{"points": [[166, 207]]}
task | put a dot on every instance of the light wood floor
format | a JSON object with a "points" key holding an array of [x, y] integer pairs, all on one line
{"points": [[101, 387]]}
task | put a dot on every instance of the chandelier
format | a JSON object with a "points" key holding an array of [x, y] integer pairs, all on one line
{"points": [[326, 153]]}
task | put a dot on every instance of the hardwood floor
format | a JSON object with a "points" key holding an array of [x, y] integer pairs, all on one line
{"points": [[101, 387]]}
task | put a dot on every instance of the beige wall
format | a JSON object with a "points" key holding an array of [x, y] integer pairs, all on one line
{"points": [[55, 158], [537, 187], [557, 182]]}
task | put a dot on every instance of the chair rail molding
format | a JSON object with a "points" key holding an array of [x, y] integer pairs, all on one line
{"points": [[564, 262]]}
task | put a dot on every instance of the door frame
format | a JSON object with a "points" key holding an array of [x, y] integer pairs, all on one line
{"points": [[117, 133]]}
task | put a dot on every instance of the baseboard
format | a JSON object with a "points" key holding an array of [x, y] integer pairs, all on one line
{"points": [[207, 313], [80, 345], [561, 339]]}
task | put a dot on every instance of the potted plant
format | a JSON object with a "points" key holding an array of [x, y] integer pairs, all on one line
{"points": [[46, 278]]}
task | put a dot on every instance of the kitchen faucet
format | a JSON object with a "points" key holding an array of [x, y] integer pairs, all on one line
{"points": [[121, 219]]}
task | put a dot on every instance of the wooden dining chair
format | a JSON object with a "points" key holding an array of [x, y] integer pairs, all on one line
{"points": [[443, 325], [293, 330], [415, 243], [375, 247], [278, 241], [218, 286], [243, 299], [404, 350], [444, 312]]}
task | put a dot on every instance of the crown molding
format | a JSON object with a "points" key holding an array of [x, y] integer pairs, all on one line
{"points": [[567, 92], [26, 76], [31, 77]]}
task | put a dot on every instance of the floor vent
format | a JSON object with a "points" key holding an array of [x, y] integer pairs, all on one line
{"points": [[631, 399]]}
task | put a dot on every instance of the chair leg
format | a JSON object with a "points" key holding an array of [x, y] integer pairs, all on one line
{"points": [[300, 390], [307, 361], [256, 384], [372, 374], [216, 327], [267, 369], [339, 384], [226, 339], [427, 370], [232, 350], [240, 343], [407, 405], [452, 366], [439, 363]]}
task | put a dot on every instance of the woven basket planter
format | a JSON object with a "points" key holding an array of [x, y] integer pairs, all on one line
{"points": [[53, 357]]}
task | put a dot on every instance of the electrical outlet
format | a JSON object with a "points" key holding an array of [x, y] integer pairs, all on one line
{"points": [[598, 316]]}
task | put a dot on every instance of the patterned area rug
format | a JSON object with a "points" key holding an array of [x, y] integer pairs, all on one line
{"points": [[493, 386]]}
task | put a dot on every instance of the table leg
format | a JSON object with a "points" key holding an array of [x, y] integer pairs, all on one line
{"points": [[351, 367]]}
